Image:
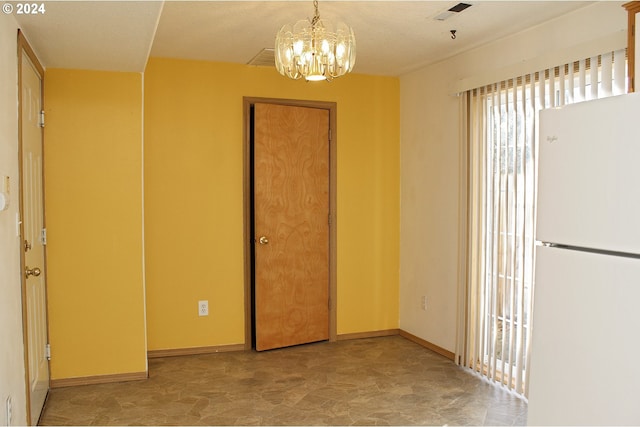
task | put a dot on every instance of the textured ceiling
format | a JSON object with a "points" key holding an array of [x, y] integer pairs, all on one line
{"points": [[95, 35], [393, 37]]}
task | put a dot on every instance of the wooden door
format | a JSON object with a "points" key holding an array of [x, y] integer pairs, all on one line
{"points": [[33, 238], [291, 225]]}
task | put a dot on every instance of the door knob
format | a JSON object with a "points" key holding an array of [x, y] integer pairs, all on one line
{"points": [[263, 240], [31, 272]]}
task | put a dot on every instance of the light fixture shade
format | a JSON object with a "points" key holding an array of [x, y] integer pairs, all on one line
{"points": [[315, 51]]}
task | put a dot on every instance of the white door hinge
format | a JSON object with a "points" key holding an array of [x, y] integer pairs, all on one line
{"points": [[42, 118], [43, 237], [47, 351]]}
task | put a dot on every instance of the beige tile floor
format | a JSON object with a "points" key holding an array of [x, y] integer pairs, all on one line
{"points": [[375, 381]]}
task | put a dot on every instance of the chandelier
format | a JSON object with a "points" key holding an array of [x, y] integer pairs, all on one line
{"points": [[313, 50]]}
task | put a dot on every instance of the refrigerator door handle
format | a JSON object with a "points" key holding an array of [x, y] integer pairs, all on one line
{"points": [[545, 244]]}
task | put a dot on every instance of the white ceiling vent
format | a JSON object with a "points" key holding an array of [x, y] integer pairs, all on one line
{"points": [[452, 11], [264, 58]]}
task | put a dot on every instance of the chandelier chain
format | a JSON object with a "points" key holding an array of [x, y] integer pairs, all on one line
{"points": [[316, 16]]}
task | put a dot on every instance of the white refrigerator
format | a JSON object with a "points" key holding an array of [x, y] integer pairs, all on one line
{"points": [[585, 360]]}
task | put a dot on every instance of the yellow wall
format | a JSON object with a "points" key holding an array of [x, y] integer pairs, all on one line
{"points": [[193, 197], [93, 184], [193, 207]]}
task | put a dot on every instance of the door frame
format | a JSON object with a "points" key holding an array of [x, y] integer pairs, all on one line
{"points": [[247, 172], [25, 49]]}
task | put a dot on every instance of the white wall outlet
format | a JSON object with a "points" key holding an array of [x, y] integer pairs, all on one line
{"points": [[423, 303], [203, 308], [4, 201], [4, 193], [9, 411]]}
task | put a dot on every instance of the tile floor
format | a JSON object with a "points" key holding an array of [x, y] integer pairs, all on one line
{"points": [[375, 381]]}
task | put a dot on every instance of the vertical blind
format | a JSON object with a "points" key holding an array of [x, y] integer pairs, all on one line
{"points": [[500, 124]]}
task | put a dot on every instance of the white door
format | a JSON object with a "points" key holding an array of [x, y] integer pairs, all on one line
{"points": [[34, 290], [588, 174], [585, 339]]}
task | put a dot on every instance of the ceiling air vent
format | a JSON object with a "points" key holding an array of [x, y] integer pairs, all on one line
{"points": [[264, 58], [452, 11]]}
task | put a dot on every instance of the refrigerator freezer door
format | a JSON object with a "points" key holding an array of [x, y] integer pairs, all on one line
{"points": [[585, 346], [589, 174]]}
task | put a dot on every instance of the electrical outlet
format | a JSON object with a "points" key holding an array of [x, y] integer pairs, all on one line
{"points": [[203, 308], [423, 303], [4, 194], [9, 411]]}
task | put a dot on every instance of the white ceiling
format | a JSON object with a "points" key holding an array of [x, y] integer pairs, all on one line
{"points": [[393, 37]]}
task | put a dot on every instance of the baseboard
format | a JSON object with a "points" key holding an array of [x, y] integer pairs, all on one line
{"points": [[137, 376], [426, 344], [390, 332], [370, 334], [98, 379], [190, 351]]}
